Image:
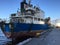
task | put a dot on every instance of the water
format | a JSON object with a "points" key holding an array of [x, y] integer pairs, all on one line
{"points": [[3, 38]]}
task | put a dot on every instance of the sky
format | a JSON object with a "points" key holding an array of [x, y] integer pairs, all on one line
{"points": [[50, 7]]}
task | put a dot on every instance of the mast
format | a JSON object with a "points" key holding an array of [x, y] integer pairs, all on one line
{"points": [[23, 6], [29, 1], [24, 1]]}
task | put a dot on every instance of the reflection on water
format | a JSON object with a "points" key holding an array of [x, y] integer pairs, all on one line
{"points": [[3, 38]]}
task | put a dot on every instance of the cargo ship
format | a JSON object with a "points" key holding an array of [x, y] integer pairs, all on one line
{"points": [[28, 20]]}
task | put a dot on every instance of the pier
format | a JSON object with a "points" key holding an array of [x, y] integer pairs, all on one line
{"points": [[49, 38], [29, 25]]}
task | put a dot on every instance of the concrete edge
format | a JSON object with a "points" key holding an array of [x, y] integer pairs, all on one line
{"points": [[25, 41]]}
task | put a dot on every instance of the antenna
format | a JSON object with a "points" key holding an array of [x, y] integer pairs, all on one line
{"points": [[24, 0], [29, 1]]}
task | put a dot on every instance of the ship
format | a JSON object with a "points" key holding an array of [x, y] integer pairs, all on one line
{"points": [[27, 21]]}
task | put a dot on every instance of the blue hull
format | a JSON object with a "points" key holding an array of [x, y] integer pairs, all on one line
{"points": [[18, 27]]}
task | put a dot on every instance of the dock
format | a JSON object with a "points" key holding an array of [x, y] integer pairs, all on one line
{"points": [[49, 38]]}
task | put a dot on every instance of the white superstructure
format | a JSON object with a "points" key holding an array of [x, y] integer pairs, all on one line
{"points": [[28, 14]]}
